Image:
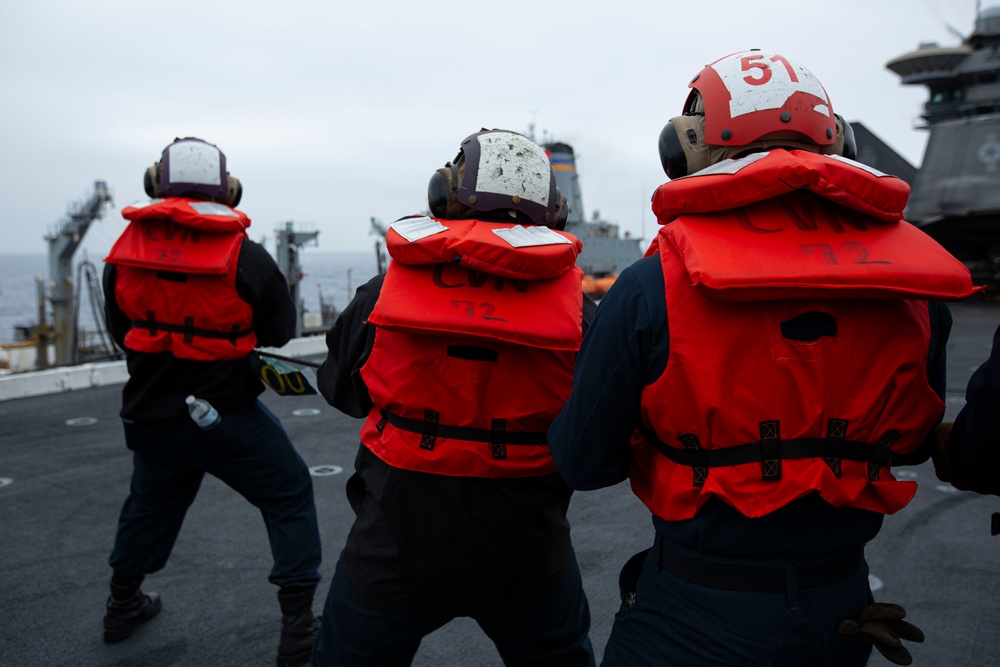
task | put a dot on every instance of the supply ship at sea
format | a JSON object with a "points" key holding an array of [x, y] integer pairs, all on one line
{"points": [[606, 251]]}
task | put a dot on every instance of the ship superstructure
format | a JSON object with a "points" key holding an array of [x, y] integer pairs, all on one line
{"points": [[288, 243], [605, 250], [955, 194]]}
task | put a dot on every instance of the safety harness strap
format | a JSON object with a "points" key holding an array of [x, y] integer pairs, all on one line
{"points": [[497, 435], [189, 330], [836, 435], [771, 450]]}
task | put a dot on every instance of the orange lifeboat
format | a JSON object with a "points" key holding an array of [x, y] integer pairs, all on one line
{"points": [[597, 287]]}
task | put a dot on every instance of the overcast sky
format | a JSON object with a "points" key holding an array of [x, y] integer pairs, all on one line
{"points": [[333, 112]]}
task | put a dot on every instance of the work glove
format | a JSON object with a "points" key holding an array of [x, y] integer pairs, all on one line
{"points": [[938, 440], [882, 624]]}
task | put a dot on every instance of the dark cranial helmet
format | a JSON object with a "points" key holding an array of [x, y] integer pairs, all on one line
{"points": [[498, 175], [191, 167], [752, 101]]}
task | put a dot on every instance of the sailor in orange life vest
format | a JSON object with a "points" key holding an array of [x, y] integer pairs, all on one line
{"points": [[459, 357], [188, 296], [803, 357]]}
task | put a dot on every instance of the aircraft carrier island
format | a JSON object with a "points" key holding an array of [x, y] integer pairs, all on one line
{"points": [[955, 191]]}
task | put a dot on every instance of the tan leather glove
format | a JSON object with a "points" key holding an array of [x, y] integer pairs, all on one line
{"points": [[938, 440], [882, 624]]}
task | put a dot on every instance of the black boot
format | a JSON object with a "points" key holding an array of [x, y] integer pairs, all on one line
{"points": [[127, 608], [298, 626]]}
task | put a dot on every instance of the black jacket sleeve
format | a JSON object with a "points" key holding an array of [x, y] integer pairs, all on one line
{"points": [[348, 345], [260, 283], [117, 322], [974, 447], [941, 321]]}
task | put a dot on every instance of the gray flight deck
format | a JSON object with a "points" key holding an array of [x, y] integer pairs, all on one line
{"points": [[64, 473]]}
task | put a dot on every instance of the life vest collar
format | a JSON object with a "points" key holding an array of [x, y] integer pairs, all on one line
{"points": [[483, 246], [742, 181], [802, 246], [796, 224], [206, 216]]}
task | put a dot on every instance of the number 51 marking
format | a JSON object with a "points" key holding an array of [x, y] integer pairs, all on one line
{"points": [[759, 78]]}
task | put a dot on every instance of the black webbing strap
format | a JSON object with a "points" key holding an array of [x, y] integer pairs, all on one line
{"points": [[149, 322], [884, 442], [498, 438], [836, 435], [770, 451], [497, 435], [430, 429], [699, 470], [189, 330]]}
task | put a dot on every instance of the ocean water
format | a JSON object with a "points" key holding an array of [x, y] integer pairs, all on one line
{"points": [[331, 275]]}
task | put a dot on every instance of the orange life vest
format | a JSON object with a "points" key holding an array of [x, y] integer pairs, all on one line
{"points": [[746, 412], [470, 366], [176, 279]]}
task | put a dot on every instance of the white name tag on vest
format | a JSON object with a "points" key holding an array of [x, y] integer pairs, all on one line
{"points": [[524, 237], [414, 229]]}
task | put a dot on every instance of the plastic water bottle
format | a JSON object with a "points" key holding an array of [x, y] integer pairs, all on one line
{"points": [[202, 412]]}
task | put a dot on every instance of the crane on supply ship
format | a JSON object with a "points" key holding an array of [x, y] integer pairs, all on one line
{"points": [[288, 241], [62, 291]]}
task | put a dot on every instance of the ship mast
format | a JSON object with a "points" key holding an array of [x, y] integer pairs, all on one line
{"points": [[287, 250]]}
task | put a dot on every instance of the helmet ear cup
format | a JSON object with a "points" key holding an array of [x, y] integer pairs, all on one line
{"points": [[151, 181], [562, 213], [850, 143], [672, 156], [442, 190], [234, 192], [845, 145], [682, 146]]}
